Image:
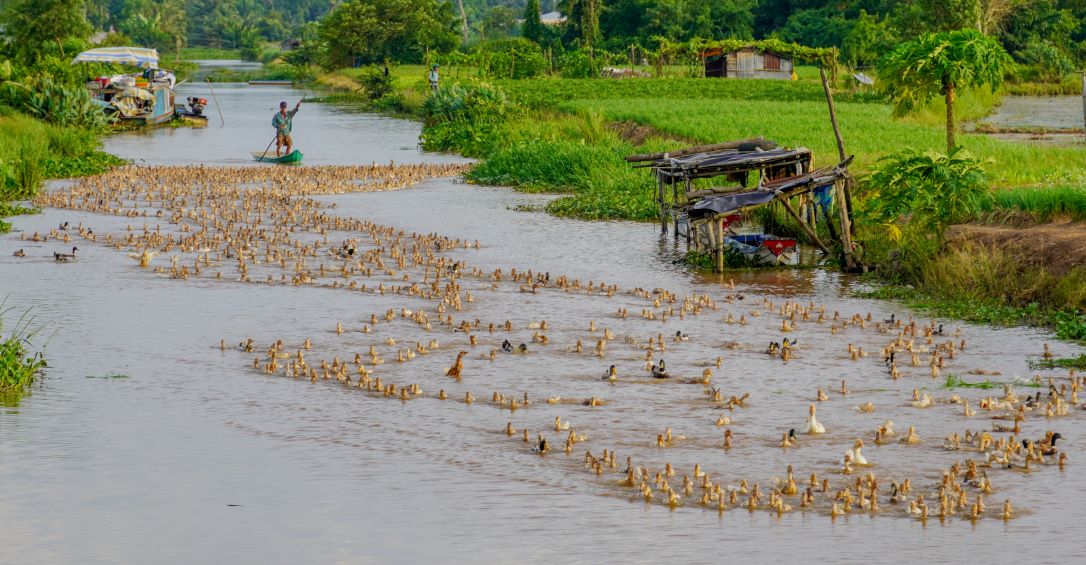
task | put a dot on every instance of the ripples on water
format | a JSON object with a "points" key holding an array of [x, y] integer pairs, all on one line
{"points": [[144, 468]]}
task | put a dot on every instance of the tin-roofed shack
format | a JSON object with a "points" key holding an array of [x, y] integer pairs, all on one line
{"points": [[709, 217], [747, 62]]}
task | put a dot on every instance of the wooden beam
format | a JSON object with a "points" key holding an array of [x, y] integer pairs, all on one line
{"points": [[806, 229], [761, 142]]}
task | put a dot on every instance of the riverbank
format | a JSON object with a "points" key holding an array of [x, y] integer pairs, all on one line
{"points": [[569, 137], [33, 151]]}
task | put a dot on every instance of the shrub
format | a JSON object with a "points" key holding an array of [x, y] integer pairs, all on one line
{"points": [[577, 64], [464, 117], [18, 367], [928, 190], [375, 82], [45, 98], [514, 58]]}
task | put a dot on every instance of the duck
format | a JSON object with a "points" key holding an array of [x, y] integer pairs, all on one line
{"points": [[820, 395], [911, 438], [895, 495], [723, 421], [924, 401], [65, 257], [457, 367], [541, 447], [813, 426], [660, 371], [611, 374], [680, 336], [19, 253], [854, 454], [559, 425], [866, 408], [788, 439], [1048, 444], [507, 347]]}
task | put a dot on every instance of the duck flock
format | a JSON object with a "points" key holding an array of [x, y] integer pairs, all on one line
{"points": [[587, 390]]}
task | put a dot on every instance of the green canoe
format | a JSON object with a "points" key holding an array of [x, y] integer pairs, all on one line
{"points": [[293, 158]]}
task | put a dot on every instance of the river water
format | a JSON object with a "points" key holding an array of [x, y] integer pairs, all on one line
{"points": [[146, 443]]}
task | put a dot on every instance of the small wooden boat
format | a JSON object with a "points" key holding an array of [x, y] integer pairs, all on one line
{"points": [[293, 158]]}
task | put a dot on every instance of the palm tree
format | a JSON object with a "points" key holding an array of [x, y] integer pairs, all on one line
{"points": [[941, 63]]}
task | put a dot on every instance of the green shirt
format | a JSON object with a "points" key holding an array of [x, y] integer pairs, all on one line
{"points": [[282, 124]]}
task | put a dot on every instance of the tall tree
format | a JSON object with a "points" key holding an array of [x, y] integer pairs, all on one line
{"points": [[463, 21], [994, 12], [371, 31], [941, 63], [533, 26], [590, 24], [30, 24]]}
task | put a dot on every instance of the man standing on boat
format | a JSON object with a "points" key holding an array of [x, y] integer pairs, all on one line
{"points": [[282, 122]]}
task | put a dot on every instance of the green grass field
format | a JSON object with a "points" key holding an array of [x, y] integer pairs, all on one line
{"points": [[540, 150]]}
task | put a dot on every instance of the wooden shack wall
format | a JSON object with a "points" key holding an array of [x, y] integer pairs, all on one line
{"points": [[750, 63]]}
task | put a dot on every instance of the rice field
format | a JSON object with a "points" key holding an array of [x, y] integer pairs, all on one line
{"points": [[868, 130]]}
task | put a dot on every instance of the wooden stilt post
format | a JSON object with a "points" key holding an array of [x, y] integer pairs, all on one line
{"points": [[806, 229], [674, 209], [711, 234], [660, 202], [685, 192], [846, 229], [719, 247]]}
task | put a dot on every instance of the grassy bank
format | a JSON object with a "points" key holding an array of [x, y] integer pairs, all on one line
{"points": [[209, 54], [32, 151], [19, 367], [560, 136], [1067, 324]]}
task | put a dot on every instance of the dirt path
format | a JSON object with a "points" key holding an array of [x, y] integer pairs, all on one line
{"points": [[1058, 246]]}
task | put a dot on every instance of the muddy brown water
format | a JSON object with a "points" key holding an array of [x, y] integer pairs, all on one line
{"points": [[195, 457]]}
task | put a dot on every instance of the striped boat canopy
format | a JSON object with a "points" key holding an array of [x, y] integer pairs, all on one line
{"points": [[136, 56]]}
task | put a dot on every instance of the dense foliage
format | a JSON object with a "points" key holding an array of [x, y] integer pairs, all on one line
{"points": [[941, 63], [1046, 37], [370, 31]]}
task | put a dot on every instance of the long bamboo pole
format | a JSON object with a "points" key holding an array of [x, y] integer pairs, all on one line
{"points": [[844, 199], [216, 99]]}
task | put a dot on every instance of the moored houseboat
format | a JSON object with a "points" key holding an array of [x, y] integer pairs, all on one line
{"points": [[144, 98]]}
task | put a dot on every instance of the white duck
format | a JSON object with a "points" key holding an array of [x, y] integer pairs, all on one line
{"points": [[855, 455], [924, 401], [812, 426]]}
